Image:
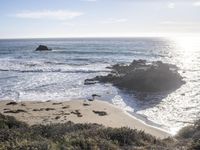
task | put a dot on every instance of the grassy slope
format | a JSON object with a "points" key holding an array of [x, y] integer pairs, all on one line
{"points": [[19, 136]]}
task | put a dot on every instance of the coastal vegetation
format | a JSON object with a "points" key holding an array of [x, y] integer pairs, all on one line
{"points": [[20, 136]]}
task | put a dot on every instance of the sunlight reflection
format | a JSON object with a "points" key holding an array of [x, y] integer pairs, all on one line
{"points": [[187, 48], [188, 44]]}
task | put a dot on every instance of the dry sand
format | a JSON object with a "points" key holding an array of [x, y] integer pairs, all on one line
{"points": [[76, 111]]}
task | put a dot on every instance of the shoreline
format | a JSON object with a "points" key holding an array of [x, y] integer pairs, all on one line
{"points": [[77, 111]]}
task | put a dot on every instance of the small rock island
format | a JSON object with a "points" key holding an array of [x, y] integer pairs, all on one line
{"points": [[142, 76], [42, 48]]}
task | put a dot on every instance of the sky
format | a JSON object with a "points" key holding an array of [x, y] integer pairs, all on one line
{"points": [[98, 18]]}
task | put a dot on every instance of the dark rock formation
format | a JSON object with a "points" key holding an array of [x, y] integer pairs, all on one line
{"points": [[15, 111], [144, 77], [100, 113], [43, 48], [89, 81], [12, 103]]}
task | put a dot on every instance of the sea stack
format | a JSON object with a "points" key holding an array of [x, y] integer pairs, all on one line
{"points": [[143, 76], [43, 48]]}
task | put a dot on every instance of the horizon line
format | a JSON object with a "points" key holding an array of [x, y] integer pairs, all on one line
{"points": [[82, 37], [157, 35]]}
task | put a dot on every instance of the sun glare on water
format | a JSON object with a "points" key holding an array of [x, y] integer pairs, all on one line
{"points": [[187, 48], [188, 44]]}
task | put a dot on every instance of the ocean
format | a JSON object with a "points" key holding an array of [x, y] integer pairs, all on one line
{"points": [[29, 75]]}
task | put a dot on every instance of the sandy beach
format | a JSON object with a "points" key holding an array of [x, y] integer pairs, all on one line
{"points": [[77, 111]]}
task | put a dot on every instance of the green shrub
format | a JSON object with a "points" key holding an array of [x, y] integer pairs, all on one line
{"points": [[186, 132], [196, 145], [16, 135], [7, 122]]}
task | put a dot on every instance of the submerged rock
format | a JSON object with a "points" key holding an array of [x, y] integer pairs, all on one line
{"points": [[43, 48], [144, 77], [90, 81]]}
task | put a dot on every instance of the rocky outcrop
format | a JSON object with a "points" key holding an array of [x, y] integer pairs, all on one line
{"points": [[143, 76], [43, 48]]}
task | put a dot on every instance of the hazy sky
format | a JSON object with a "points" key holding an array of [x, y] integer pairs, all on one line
{"points": [[94, 18]]}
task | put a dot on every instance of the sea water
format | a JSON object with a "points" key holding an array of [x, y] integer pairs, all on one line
{"points": [[29, 75]]}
